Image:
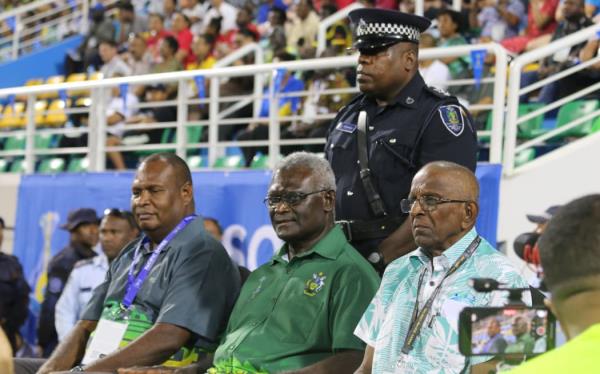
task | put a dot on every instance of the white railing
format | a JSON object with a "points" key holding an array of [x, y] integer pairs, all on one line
{"points": [[511, 149], [27, 28], [96, 149]]}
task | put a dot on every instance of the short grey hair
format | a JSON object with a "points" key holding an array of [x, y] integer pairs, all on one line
{"points": [[319, 167]]}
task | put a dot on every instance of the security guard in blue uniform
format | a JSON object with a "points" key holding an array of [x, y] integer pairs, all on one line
{"points": [[396, 125]]}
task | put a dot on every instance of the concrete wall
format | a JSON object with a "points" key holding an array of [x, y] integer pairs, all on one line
{"points": [[556, 178], [9, 189]]}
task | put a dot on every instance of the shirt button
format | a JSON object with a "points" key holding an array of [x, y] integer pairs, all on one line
{"points": [[349, 193], [432, 283], [371, 128]]}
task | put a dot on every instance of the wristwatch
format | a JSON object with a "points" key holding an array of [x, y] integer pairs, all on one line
{"points": [[77, 368]]}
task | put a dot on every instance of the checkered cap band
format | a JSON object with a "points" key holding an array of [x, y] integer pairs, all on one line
{"points": [[408, 32]]}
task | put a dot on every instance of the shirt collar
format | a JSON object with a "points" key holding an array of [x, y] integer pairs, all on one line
{"points": [[101, 261], [330, 246], [451, 254], [409, 96]]}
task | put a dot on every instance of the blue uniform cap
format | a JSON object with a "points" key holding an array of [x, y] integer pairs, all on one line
{"points": [[378, 28]]}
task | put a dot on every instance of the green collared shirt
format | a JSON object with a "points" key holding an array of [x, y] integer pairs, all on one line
{"points": [[292, 314]]}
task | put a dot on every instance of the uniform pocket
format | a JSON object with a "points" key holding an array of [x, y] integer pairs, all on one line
{"points": [[390, 159], [340, 150]]}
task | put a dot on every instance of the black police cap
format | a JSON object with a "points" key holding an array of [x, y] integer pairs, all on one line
{"points": [[378, 28]]}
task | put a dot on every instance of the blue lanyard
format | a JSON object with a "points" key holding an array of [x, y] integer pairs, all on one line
{"points": [[134, 284]]}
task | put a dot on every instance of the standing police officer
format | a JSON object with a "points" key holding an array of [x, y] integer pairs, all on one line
{"points": [[380, 140]]}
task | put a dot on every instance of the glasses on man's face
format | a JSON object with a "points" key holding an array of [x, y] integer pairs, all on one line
{"points": [[427, 203], [120, 213], [289, 198]]}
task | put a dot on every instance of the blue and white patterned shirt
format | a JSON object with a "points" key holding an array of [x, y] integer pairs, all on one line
{"points": [[386, 321]]}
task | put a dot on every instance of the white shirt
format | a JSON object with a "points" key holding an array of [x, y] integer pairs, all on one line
{"points": [[116, 105], [85, 277], [229, 14], [437, 74]]}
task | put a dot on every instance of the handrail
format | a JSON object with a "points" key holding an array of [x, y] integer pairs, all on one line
{"points": [[24, 9], [324, 24], [515, 91], [99, 88]]}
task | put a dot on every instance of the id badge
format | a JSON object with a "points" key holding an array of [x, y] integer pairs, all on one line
{"points": [[107, 337]]}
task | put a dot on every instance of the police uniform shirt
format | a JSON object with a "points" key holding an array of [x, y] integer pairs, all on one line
{"points": [[420, 125], [85, 277]]}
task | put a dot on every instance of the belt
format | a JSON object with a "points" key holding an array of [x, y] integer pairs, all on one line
{"points": [[356, 230]]}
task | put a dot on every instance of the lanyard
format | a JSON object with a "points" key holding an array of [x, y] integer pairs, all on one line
{"points": [[418, 318], [134, 284]]}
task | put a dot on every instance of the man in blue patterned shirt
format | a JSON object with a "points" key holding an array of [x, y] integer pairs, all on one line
{"points": [[411, 326]]}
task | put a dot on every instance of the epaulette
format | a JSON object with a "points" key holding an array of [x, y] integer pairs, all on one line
{"points": [[436, 91], [81, 263]]}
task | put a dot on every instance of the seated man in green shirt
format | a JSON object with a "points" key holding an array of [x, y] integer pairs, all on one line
{"points": [[524, 341], [298, 311], [570, 255]]}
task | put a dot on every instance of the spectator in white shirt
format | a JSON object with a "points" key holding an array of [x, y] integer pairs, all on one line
{"points": [[434, 72], [117, 228], [219, 8], [113, 63]]}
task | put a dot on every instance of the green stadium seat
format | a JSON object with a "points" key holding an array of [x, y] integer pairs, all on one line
{"points": [[260, 161], [524, 157], [14, 143], [3, 165], [18, 166], [230, 162], [488, 127], [78, 165], [574, 110], [43, 141], [196, 162], [596, 126], [52, 165], [533, 127]]}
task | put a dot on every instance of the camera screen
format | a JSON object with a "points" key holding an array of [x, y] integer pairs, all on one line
{"points": [[504, 331]]}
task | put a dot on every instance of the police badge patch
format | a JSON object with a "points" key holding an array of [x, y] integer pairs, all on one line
{"points": [[452, 118]]}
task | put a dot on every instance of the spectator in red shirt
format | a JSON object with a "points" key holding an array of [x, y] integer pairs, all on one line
{"points": [[181, 29], [157, 33], [243, 21], [540, 26]]}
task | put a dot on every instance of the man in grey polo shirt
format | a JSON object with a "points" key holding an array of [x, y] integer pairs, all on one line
{"points": [[168, 294]]}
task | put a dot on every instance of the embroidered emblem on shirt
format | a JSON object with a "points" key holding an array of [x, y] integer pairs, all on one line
{"points": [[314, 285], [452, 118]]}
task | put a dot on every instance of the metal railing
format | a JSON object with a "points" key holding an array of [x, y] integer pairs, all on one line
{"points": [[511, 148], [96, 148], [26, 28]]}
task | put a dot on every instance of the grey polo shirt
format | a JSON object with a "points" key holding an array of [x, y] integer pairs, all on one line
{"points": [[193, 284]]}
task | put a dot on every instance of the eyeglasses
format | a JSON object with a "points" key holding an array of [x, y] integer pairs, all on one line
{"points": [[290, 198], [427, 203], [120, 213]]}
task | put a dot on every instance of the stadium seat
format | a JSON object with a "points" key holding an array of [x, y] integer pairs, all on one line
{"points": [[55, 79], [196, 162], [229, 162], [15, 143], [95, 76], [52, 165], [524, 157], [77, 77], [56, 113], [3, 165], [13, 115], [574, 110], [43, 141], [18, 166], [260, 161], [78, 164], [533, 127], [40, 111], [488, 127]]}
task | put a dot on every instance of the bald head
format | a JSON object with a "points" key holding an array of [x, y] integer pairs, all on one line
{"points": [[180, 167], [445, 206]]}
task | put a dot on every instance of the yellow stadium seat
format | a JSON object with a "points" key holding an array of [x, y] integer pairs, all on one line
{"points": [[55, 79], [40, 111], [95, 76], [77, 77], [30, 83], [13, 115], [56, 113]]}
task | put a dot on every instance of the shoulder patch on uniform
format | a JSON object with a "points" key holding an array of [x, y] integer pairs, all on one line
{"points": [[452, 118], [438, 91]]}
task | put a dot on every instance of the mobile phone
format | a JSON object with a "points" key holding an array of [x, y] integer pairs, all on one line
{"points": [[506, 331]]}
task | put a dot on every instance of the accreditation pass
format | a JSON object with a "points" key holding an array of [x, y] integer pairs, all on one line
{"points": [[107, 337]]}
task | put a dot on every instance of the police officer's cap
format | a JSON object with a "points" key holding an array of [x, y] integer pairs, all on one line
{"points": [[379, 28]]}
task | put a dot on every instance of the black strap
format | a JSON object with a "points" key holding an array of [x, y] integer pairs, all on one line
{"points": [[373, 197], [418, 318]]}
